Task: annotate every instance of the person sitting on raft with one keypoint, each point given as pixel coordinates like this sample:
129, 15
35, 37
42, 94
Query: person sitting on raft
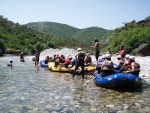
99, 64
120, 62
107, 66
135, 67
62, 58
127, 63
47, 59
56, 60
68, 61
88, 60
121, 51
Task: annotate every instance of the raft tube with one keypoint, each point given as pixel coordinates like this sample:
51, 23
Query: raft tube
118, 80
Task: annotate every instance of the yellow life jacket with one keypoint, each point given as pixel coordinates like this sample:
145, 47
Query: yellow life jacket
107, 65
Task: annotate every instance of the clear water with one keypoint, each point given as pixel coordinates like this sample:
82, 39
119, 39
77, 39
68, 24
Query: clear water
27, 89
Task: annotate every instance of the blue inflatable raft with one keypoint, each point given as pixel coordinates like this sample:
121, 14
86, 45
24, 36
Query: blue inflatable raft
118, 80
42, 64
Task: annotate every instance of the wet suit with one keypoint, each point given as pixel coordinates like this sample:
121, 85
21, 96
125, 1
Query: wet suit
97, 50
80, 62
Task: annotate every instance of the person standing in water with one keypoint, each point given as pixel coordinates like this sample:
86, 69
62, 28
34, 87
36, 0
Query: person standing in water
22, 57
10, 64
97, 48
37, 57
80, 56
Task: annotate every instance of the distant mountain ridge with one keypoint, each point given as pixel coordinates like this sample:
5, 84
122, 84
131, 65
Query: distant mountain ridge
85, 36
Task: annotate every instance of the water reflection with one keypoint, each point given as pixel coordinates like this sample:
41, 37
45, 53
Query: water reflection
26, 88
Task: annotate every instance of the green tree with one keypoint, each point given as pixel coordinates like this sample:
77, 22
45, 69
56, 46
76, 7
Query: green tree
39, 46
2, 47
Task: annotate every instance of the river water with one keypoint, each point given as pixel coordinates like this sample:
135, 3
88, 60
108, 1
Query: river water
25, 88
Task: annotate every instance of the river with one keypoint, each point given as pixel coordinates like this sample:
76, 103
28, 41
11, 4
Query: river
27, 89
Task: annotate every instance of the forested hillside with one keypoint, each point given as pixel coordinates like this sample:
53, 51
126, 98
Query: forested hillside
132, 36
53, 29
15, 38
84, 36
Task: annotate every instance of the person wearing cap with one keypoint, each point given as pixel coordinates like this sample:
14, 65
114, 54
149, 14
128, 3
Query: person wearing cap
121, 51
97, 48
120, 62
107, 67
99, 64
135, 67
80, 57
88, 60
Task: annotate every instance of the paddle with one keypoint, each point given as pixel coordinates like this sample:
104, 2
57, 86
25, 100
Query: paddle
148, 83
92, 78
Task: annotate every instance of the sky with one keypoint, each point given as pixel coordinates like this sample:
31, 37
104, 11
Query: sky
107, 14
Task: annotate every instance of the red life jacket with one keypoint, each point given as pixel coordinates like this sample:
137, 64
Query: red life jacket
128, 64
122, 53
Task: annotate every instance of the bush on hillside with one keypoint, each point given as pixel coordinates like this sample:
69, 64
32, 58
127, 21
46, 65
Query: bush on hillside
2, 47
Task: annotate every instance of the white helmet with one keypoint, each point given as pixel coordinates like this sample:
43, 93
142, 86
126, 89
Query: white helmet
79, 49
132, 57
118, 56
88, 54
103, 56
69, 57
127, 56
107, 56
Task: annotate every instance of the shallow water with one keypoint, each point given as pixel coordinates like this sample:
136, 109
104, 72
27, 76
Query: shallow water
26, 89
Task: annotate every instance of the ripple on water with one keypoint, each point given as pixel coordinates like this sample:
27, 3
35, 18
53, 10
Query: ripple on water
25, 88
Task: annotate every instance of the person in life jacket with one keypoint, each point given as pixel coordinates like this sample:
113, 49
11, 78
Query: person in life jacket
47, 59
68, 61
88, 60
99, 64
62, 58
97, 48
80, 57
135, 67
121, 51
107, 66
72, 65
57, 60
127, 63
120, 62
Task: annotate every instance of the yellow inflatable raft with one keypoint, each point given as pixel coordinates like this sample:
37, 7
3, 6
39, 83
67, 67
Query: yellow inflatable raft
60, 68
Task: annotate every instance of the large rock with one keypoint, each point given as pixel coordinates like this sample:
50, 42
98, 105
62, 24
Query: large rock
143, 50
